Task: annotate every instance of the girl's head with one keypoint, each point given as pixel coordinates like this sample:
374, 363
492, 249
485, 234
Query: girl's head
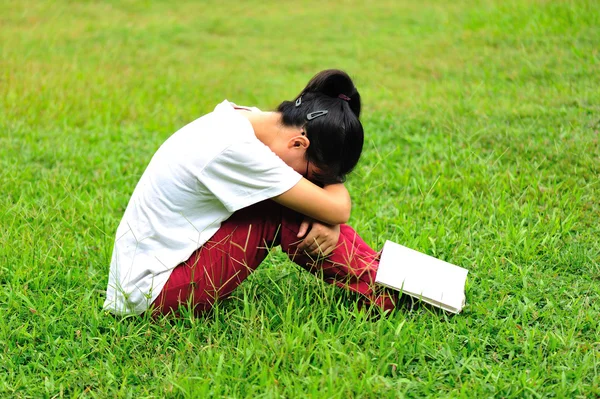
327, 110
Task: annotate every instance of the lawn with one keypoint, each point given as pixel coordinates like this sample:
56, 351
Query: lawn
482, 148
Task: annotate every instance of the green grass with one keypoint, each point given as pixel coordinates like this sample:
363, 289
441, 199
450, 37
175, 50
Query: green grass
482, 122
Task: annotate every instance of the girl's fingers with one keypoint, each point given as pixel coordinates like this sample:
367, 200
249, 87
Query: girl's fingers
322, 251
331, 248
312, 247
316, 244
320, 248
303, 227
308, 242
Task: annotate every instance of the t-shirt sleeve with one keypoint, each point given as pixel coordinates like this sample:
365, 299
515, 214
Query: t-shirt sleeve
246, 173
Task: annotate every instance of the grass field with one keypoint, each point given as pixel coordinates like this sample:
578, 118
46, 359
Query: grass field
482, 122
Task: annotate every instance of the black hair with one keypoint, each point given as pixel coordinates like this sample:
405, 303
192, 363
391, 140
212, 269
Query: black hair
336, 138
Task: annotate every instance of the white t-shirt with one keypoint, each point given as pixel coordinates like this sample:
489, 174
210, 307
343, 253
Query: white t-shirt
198, 178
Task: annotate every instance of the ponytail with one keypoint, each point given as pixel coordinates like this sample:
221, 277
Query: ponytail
337, 84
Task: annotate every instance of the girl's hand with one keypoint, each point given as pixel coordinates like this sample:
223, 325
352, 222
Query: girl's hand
321, 238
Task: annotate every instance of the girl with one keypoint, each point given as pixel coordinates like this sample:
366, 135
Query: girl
226, 187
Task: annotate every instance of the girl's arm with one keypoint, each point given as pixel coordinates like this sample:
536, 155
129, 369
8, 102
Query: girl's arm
330, 204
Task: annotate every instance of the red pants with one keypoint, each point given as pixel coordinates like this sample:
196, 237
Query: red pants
214, 270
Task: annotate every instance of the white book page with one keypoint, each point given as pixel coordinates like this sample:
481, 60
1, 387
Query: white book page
430, 279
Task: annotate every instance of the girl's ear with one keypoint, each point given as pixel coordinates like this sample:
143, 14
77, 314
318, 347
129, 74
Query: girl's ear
299, 142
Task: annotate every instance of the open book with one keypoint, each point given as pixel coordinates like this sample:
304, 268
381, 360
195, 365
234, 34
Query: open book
431, 280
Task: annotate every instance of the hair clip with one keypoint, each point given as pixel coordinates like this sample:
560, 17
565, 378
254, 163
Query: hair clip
344, 97
316, 114
299, 101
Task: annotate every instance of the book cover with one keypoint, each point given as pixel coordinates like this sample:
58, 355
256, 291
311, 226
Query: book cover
429, 279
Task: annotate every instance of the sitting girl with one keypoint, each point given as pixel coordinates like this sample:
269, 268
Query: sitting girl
225, 188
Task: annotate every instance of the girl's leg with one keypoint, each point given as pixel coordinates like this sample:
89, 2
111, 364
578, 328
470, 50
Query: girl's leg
214, 270
241, 244
352, 265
